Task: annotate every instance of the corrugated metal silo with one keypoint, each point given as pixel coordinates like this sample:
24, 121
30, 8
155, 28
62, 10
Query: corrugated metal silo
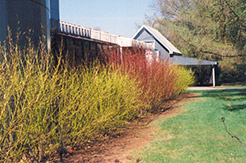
3, 20
27, 15
54, 14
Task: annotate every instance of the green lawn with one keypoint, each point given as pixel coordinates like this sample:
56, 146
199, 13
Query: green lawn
198, 134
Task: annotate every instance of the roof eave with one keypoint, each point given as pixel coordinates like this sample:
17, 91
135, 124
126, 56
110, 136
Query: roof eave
139, 30
176, 54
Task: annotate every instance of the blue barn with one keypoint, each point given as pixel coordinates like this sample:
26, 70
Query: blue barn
167, 50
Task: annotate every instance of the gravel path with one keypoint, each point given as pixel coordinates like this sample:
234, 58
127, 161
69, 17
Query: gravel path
215, 88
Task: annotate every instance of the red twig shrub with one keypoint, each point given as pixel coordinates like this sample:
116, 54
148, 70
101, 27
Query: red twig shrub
158, 79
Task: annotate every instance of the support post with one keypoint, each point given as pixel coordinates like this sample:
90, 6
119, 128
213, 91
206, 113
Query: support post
121, 55
213, 72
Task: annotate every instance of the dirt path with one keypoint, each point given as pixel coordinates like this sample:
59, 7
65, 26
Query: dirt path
128, 141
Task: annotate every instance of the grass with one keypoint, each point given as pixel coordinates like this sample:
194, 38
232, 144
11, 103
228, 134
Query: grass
198, 134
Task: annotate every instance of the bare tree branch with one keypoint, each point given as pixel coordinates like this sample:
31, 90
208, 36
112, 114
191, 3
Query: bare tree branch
221, 55
234, 13
232, 136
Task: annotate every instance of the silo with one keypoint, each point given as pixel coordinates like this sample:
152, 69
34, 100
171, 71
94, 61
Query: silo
3, 20
28, 15
54, 15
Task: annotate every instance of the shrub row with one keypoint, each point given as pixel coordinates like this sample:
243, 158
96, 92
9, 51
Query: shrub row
159, 80
42, 104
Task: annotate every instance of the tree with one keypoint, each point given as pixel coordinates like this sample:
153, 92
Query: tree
208, 29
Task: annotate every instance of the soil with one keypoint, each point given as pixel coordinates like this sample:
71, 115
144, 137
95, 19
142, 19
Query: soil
127, 141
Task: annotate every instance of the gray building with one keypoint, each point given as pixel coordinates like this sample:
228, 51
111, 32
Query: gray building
3, 20
32, 17
148, 34
168, 51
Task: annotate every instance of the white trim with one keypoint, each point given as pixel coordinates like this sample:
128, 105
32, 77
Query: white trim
139, 30
167, 44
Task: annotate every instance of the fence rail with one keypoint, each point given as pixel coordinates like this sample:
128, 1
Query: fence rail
73, 29
86, 32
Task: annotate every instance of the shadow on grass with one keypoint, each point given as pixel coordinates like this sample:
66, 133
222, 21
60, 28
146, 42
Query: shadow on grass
236, 98
236, 107
233, 93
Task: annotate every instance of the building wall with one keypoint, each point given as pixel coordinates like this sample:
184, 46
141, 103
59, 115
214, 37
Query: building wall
77, 51
54, 14
3, 20
30, 16
144, 35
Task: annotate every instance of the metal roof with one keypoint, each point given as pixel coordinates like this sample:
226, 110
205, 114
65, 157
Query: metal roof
170, 47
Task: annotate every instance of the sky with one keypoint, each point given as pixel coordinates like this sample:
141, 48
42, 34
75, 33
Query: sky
120, 17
